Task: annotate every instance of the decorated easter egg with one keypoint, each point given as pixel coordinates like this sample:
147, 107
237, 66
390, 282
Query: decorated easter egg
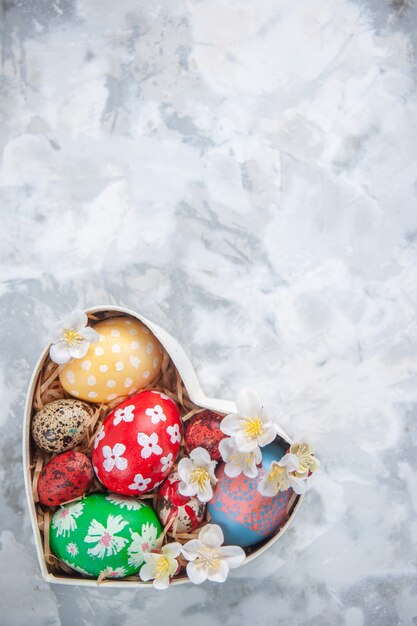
126, 358
188, 511
65, 477
104, 534
138, 443
203, 431
246, 516
61, 424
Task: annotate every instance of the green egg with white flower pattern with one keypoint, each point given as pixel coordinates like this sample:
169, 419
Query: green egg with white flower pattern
104, 534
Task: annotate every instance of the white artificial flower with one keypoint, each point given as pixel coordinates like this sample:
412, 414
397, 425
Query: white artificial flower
113, 457
156, 414
208, 559
174, 433
145, 541
64, 518
149, 445
125, 415
197, 475
72, 338
308, 462
140, 483
100, 435
107, 543
282, 476
159, 567
236, 461
166, 462
250, 426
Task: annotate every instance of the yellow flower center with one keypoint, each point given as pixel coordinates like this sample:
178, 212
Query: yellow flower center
208, 558
72, 337
305, 456
199, 476
275, 474
253, 427
161, 567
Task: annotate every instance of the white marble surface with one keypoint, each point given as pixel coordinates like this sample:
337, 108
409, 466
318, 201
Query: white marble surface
243, 172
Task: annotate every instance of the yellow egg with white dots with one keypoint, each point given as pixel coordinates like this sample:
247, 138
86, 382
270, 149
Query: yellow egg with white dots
126, 359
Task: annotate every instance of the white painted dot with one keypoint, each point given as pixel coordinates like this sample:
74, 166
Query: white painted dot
103, 368
149, 348
135, 345
119, 365
133, 331
128, 322
111, 383
145, 330
128, 382
98, 351
70, 377
92, 394
112, 396
115, 333
101, 337
74, 392
146, 374
155, 362
86, 365
116, 348
135, 361
91, 380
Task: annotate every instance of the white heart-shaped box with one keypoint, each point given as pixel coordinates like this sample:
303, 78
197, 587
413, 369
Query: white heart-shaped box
191, 382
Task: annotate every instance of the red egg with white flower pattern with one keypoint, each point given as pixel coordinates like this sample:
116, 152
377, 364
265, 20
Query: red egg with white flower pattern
138, 444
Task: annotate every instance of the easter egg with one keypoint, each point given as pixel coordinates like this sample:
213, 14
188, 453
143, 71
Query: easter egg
104, 534
246, 516
203, 431
61, 424
188, 511
138, 443
65, 477
126, 358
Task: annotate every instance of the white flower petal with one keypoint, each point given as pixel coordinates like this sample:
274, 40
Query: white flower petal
59, 353
205, 494
211, 535
231, 424
299, 485
79, 351
162, 582
185, 467
267, 488
220, 574
290, 461
89, 334
196, 574
233, 555
225, 448
146, 571
248, 403
268, 435
232, 470
190, 549
244, 443
57, 332
251, 471
76, 320
172, 550
186, 489
200, 456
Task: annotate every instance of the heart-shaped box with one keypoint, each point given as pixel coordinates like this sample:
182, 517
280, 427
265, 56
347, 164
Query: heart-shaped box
196, 394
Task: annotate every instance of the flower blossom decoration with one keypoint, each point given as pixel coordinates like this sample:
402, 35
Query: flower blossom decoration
208, 558
71, 338
160, 566
290, 472
250, 426
197, 475
237, 462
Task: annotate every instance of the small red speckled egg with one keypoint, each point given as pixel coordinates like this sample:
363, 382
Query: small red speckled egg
189, 511
138, 443
203, 430
66, 477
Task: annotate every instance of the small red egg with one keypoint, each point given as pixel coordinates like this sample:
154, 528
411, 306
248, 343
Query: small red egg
66, 477
138, 444
187, 510
203, 430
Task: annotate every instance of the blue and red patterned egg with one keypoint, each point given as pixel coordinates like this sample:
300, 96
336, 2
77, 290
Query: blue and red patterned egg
246, 516
138, 444
171, 505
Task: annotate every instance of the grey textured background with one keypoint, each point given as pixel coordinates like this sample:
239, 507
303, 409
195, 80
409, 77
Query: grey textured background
243, 173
